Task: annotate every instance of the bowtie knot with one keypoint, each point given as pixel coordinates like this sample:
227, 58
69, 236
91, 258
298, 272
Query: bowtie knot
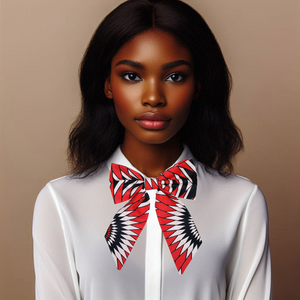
178, 227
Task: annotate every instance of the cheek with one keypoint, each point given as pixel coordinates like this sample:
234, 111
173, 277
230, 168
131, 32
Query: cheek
181, 101
125, 97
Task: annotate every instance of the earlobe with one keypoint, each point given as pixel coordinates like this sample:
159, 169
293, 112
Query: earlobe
107, 88
197, 90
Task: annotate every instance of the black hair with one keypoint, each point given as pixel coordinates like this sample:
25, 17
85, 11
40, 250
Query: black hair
209, 131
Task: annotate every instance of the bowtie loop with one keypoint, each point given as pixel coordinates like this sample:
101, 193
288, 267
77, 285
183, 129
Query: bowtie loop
125, 183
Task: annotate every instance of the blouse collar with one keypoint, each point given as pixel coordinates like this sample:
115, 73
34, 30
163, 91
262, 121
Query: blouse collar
119, 158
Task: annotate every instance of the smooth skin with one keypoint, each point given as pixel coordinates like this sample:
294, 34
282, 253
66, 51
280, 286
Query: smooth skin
152, 85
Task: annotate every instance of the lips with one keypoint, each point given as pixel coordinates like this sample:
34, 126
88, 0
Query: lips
153, 121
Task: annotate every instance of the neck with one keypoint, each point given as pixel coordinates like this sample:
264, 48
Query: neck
152, 159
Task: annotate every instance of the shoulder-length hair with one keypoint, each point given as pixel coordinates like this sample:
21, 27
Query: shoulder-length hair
209, 131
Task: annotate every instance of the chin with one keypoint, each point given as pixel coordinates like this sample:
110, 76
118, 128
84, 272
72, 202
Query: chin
157, 139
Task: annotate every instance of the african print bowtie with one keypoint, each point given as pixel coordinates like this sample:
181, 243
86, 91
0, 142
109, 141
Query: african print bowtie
178, 227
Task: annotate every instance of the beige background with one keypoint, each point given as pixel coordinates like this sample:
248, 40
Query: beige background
42, 43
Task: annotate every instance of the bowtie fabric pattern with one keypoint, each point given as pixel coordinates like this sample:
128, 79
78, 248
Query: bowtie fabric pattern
177, 225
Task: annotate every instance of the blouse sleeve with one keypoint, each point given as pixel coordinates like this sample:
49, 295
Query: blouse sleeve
250, 265
55, 271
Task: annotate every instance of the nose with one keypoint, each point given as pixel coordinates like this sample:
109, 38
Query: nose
153, 94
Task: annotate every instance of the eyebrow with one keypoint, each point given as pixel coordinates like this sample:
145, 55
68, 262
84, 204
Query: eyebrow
164, 67
175, 63
131, 64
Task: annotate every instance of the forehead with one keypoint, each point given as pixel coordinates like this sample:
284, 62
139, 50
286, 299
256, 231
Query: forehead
153, 45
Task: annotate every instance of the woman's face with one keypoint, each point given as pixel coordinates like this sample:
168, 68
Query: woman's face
152, 85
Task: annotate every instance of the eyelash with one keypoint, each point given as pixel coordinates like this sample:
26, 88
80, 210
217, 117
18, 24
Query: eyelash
176, 74
182, 77
131, 73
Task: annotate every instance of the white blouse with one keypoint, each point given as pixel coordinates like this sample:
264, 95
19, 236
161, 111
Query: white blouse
73, 261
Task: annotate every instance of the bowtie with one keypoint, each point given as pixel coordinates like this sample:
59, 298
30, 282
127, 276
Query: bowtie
178, 227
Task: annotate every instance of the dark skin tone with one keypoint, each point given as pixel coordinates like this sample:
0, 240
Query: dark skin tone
152, 85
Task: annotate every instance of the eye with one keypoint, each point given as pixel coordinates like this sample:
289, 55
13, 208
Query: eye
175, 77
131, 77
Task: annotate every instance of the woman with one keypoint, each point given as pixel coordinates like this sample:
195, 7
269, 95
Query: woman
151, 193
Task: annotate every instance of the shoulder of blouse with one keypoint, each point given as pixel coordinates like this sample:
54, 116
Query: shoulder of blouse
71, 185
211, 182
213, 175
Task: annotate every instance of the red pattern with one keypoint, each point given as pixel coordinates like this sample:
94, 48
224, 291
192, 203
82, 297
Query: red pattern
178, 227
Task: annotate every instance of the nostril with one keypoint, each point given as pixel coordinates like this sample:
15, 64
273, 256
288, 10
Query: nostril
157, 100
154, 103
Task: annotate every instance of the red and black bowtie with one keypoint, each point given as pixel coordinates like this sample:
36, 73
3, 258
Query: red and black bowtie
178, 227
